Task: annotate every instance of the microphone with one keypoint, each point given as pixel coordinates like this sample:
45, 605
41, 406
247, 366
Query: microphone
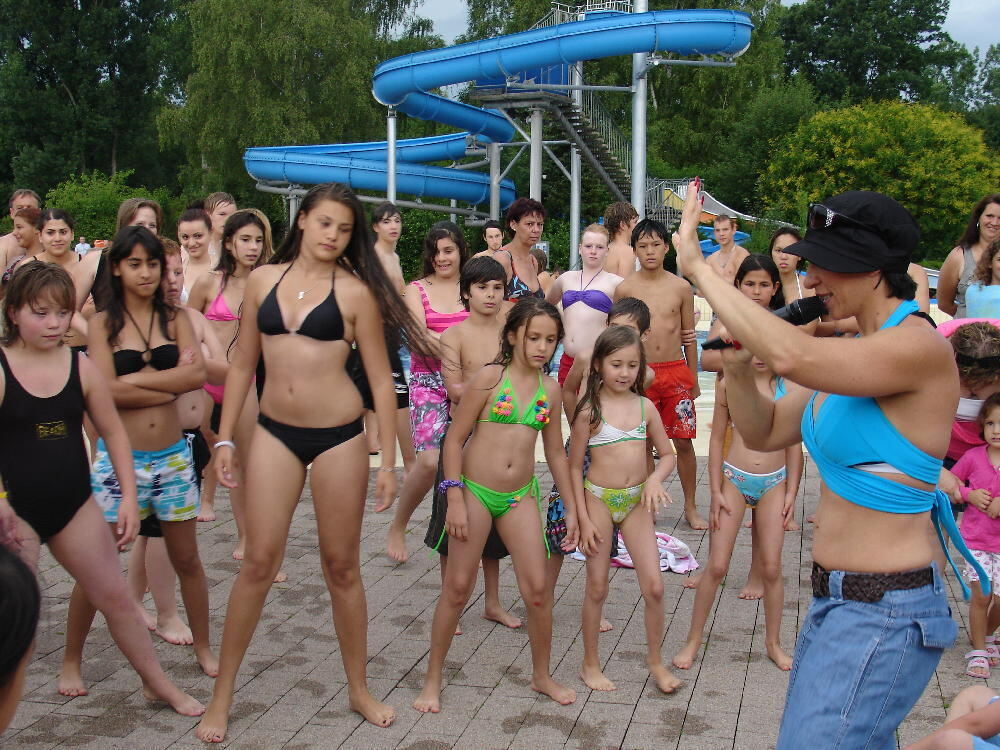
798, 313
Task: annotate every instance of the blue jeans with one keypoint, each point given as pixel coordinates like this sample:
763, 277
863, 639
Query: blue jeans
860, 667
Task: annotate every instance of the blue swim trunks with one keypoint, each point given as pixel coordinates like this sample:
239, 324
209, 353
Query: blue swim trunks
165, 483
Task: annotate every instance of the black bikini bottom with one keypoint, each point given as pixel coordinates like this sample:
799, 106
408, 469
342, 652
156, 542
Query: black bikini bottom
309, 442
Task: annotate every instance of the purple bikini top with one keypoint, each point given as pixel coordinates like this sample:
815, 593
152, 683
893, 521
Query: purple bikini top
594, 298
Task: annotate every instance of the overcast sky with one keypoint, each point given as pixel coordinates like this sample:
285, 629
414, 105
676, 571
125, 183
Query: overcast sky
972, 22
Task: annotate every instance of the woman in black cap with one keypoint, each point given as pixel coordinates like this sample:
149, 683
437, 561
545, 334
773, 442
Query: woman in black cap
874, 412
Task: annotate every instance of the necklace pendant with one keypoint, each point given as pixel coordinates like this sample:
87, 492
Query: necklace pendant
147, 356
302, 295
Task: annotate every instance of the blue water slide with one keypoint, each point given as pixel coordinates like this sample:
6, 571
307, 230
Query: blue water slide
405, 83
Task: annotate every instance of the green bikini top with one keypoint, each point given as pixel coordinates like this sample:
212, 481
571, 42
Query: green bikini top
505, 410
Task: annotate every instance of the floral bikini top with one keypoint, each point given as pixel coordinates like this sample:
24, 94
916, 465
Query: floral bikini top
505, 410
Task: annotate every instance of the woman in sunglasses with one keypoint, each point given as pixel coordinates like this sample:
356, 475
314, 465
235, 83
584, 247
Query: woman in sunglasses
874, 412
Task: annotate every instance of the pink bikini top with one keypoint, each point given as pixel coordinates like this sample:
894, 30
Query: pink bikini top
219, 310
439, 323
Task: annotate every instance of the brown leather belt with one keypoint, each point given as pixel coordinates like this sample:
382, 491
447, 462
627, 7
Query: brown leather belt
870, 587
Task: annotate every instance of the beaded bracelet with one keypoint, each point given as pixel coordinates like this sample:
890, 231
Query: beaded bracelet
387, 468
230, 443
447, 484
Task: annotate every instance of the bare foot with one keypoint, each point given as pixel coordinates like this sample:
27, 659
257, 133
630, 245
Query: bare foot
685, 657
213, 725
71, 681
458, 629
280, 577
173, 630
148, 617
502, 616
811, 518
559, 693
208, 662
605, 626
792, 525
691, 582
429, 700
207, 513
781, 659
375, 712
748, 524
238, 554
594, 678
178, 700
395, 546
695, 521
665, 679
753, 590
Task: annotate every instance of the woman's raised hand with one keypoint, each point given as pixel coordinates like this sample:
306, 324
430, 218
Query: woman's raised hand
685, 239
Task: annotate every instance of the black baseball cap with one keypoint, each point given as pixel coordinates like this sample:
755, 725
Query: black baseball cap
857, 232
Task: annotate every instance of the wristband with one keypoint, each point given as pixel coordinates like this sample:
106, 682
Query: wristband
221, 443
447, 484
3, 495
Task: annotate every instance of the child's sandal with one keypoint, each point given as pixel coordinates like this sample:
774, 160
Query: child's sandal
993, 650
978, 665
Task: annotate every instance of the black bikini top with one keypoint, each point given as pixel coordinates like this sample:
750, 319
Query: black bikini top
323, 323
162, 357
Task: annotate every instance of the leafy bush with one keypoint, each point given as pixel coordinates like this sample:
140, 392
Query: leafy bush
931, 161
93, 199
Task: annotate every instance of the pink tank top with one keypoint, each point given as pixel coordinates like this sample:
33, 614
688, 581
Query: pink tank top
437, 322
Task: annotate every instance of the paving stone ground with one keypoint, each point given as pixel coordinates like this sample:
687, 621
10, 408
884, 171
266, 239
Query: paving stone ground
292, 692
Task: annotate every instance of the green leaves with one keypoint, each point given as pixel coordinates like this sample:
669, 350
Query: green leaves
929, 160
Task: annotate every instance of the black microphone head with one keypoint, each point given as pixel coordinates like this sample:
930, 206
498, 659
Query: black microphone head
805, 310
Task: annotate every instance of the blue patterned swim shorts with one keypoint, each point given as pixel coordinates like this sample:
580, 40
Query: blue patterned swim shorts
165, 483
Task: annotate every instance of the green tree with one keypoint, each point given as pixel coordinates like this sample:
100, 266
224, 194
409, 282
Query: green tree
852, 50
929, 160
93, 199
771, 114
81, 81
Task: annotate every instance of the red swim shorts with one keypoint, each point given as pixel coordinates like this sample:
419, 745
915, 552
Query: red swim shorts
671, 395
565, 363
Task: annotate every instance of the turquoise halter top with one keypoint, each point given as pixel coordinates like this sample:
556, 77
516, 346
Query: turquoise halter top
852, 430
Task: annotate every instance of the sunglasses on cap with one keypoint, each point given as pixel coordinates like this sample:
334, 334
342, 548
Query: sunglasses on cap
968, 361
823, 217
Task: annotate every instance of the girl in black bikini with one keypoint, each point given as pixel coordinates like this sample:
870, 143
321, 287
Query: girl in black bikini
147, 351
41, 433
326, 289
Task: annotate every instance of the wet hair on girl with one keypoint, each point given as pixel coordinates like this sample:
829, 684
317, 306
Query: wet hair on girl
196, 214
53, 214
977, 353
20, 603
757, 262
611, 340
480, 271
385, 210
781, 232
227, 260
521, 314
360, 259
33, 284
430, 247
121, 248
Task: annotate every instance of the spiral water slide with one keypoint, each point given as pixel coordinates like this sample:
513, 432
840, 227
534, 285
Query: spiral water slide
406, 82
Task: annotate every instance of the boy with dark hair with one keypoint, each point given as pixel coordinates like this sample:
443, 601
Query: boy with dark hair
675, 387
492, 237
619, 219
465, 349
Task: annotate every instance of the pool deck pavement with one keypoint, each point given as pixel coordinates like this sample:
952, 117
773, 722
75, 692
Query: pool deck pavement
291, 689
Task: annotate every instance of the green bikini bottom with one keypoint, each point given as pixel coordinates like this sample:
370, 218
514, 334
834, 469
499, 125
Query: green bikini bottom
499, 503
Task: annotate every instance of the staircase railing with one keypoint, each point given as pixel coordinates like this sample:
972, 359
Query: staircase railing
614, 139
